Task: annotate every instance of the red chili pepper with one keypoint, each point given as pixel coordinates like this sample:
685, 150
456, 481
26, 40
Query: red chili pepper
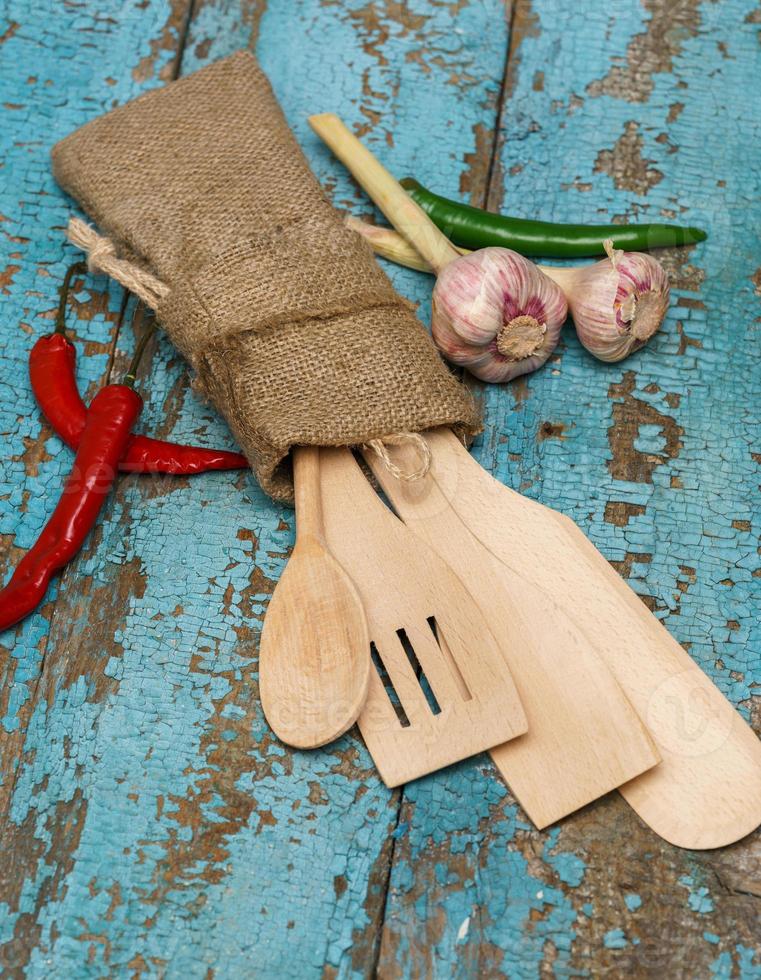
52, 370
103, 442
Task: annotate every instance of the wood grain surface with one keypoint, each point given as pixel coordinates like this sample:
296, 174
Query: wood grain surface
152, 825
440, 688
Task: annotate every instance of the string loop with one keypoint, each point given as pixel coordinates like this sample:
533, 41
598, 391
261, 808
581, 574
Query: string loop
378, 446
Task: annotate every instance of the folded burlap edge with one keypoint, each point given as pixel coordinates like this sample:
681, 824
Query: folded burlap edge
271, 463
215, 382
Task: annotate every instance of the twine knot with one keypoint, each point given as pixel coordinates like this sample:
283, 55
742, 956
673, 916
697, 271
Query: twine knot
99, 252
378, 446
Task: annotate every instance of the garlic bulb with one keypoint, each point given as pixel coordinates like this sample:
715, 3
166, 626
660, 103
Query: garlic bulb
617, 304
496, 313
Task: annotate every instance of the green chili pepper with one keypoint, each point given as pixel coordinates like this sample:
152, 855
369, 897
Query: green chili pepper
473, 228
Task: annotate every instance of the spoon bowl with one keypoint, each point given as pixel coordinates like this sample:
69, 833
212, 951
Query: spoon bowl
314, 657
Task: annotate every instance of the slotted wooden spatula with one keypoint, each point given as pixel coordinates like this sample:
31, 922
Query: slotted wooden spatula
706, 792
584, 737
428, 704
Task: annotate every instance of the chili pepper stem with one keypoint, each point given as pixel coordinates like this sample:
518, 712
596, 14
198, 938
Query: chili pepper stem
77, 268
131, 376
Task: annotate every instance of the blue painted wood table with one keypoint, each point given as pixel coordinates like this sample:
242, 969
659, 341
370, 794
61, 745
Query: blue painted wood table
153, 825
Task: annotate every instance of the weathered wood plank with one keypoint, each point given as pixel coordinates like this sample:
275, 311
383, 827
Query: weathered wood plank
35, 113
33, 261
57, 69
155, 826
616, 110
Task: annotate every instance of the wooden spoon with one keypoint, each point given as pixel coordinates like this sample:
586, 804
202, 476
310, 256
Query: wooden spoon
314, 655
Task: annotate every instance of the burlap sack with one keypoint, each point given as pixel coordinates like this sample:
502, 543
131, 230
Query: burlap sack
294, 331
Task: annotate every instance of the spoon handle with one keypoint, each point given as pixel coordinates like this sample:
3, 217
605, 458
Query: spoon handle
306, 479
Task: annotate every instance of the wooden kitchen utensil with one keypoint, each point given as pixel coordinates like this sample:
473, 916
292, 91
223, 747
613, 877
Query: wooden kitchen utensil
314, 662
706, 792
464, 701
584, 737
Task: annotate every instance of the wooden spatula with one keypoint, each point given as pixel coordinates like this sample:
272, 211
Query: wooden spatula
706, 792
314, 664
584, 737
429, 703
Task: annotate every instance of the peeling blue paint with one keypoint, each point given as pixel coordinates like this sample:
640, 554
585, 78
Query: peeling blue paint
568, 867
615, 939
721, 967
748, 962
553, 135
699, 898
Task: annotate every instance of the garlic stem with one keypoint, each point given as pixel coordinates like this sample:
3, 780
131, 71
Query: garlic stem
386, 192
563, 276
389, 244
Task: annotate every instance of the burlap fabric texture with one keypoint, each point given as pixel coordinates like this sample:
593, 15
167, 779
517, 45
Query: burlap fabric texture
293, 330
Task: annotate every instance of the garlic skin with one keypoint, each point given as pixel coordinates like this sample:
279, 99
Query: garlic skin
497, 314
617, 304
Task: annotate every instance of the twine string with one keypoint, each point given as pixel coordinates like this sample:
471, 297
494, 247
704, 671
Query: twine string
378, 446
102, 257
